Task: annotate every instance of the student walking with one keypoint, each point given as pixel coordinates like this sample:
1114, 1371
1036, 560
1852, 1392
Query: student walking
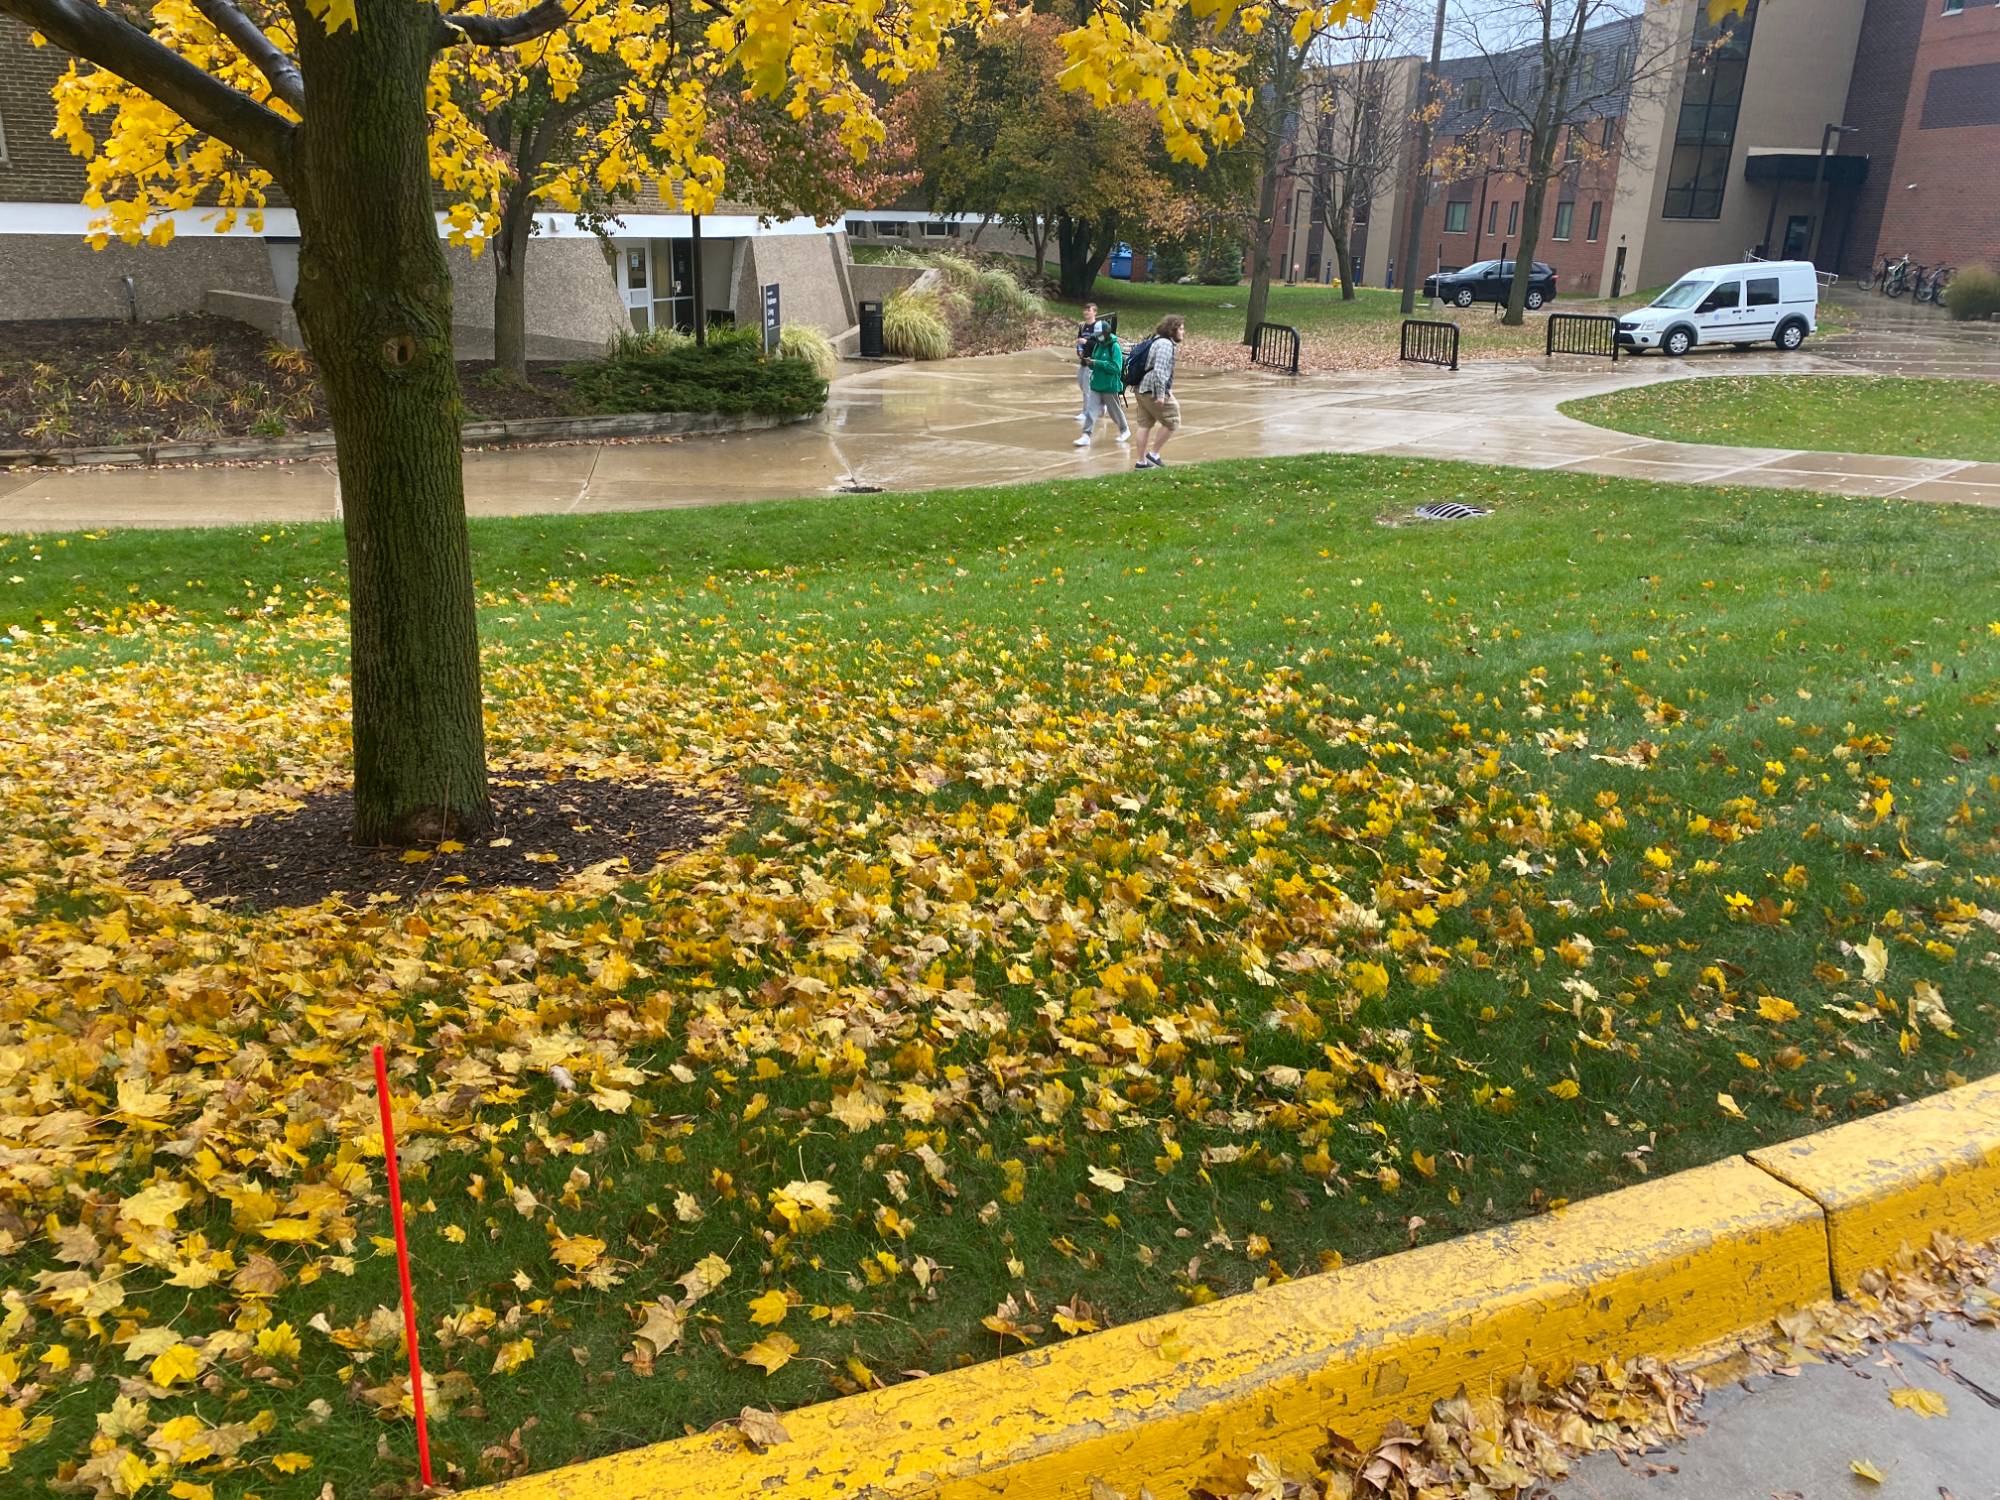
1086, 335
1159, 411
1107, 386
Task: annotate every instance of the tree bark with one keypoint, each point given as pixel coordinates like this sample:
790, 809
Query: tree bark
510, 285
1078, 254
1420, 172
1277, 114
374, 302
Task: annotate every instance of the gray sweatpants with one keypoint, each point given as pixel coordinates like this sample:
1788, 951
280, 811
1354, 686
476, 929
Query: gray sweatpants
1096, 403
1083, 388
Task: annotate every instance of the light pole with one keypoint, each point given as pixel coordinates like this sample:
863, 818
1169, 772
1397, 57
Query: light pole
1822, 191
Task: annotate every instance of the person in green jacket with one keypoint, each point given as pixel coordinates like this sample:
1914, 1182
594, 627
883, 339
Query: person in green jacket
1107, 386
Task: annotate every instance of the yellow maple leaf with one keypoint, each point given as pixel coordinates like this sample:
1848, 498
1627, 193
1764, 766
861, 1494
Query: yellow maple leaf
1728, 1106
1565, 1088
510, 1356
1776, 1009
1925, 1403
181, 1362
577, 1251
1866, 1470
292, 1463
771, 1353
769, 1310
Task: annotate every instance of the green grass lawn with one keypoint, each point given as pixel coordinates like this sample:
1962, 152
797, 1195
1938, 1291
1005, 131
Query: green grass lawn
1153, 886
1824, 413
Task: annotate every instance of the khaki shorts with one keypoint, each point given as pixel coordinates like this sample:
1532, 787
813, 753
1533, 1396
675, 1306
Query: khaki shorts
1159, 411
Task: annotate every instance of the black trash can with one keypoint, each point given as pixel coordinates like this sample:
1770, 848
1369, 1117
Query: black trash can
871, 330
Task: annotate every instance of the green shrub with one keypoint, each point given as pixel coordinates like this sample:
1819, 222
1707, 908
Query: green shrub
1974, 293
1170, 262
1221, 261
997, 296
914, 326
728, 375
803, 341
630, 342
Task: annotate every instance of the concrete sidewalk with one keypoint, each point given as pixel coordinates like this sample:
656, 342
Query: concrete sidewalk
1008, 419
1797, 1437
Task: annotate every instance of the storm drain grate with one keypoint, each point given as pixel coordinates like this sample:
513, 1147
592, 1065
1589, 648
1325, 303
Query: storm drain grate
1449, 510
856, 487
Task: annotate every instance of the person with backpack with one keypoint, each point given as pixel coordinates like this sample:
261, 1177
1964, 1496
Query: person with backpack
1086, 334
1107, 385
1150, 371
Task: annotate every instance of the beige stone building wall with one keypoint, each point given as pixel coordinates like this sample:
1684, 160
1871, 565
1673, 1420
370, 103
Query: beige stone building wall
1801, 60
60, 276
573, 305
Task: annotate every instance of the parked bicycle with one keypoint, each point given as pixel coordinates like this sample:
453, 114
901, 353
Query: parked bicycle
1897, 279
1931, 288
1875, 275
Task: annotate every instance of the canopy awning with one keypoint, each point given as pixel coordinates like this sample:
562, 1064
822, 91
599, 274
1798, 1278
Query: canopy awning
1801, 164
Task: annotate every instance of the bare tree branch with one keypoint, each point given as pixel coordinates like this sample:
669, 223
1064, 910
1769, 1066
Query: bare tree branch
501, 31
93, 33
267, 55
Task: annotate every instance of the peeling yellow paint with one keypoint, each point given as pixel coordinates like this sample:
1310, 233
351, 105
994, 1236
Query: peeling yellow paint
1663, 1268
1896, 1177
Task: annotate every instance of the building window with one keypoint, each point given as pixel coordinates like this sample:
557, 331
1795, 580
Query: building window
1706, 134
1475, 93
1957, 97
892, 229
3, 140
1953, 7
1610, 130
1621, 64
1361, 214
1596, 211
1565, 219
857, 229
1513, 216
937, 229
1454, 216
1586, 74
1493, 217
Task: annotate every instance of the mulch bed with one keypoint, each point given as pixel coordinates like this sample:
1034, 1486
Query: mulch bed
101, 382
548, 829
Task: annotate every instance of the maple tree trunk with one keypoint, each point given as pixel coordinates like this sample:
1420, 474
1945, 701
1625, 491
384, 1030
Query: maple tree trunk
1340, 259
510, 289
1524, 252
374, 302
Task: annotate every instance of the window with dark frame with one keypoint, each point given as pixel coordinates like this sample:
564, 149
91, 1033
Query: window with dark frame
1596, 213
1493, 217
1565, 219
1705, 135
1475, 93
1455, 214
1513, 216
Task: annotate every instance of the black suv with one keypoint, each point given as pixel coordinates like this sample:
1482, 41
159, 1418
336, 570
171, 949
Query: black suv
1488, 281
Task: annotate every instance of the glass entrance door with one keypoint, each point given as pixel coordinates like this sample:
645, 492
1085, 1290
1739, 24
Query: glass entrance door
635, 282
673, 292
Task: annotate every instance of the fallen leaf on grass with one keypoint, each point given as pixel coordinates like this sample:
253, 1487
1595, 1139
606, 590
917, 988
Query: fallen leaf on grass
771, 1353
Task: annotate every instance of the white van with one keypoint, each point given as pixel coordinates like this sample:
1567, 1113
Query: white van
1741, 304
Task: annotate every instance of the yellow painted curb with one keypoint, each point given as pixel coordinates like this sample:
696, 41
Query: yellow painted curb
1897, 1176
1663, 1268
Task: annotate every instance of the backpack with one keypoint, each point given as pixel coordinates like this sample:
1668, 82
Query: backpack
1137, 360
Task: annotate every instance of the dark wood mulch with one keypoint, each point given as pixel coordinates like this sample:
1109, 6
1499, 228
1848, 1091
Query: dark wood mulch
99, 382
548, 829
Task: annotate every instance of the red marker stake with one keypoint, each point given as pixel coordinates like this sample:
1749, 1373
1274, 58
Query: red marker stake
403, 1266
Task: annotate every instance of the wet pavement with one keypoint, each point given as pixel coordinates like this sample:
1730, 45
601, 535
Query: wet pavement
1799, 1437
1010, 419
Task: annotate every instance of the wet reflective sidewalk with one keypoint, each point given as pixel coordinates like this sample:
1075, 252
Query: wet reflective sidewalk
1011, 419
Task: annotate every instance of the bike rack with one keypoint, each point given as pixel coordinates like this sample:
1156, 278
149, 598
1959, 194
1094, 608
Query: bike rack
1582, 333
1275, 345
1427, 342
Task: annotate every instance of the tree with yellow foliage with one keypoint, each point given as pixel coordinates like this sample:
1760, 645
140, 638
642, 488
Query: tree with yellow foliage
362, 113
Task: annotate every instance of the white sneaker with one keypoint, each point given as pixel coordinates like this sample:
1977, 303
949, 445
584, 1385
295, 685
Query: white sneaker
1081, 418
1082, 441
1123, 437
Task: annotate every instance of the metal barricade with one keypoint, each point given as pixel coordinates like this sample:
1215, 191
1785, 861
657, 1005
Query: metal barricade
1428, 342
1583, 333
1275, 345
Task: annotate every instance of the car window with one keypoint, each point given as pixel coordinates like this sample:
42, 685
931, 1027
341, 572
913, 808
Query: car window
1478, 267
1725, 295
1682, 294
1762, 291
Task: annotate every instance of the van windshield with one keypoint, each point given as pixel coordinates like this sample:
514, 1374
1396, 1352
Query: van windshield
1683, 294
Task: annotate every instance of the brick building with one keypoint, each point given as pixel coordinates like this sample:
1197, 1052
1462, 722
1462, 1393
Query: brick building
1926, 101
1833, 131
582, 288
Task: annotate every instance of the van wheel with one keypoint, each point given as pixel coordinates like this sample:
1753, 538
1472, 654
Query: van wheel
1463, 296
1677, 342
1534, 300
1791, 335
